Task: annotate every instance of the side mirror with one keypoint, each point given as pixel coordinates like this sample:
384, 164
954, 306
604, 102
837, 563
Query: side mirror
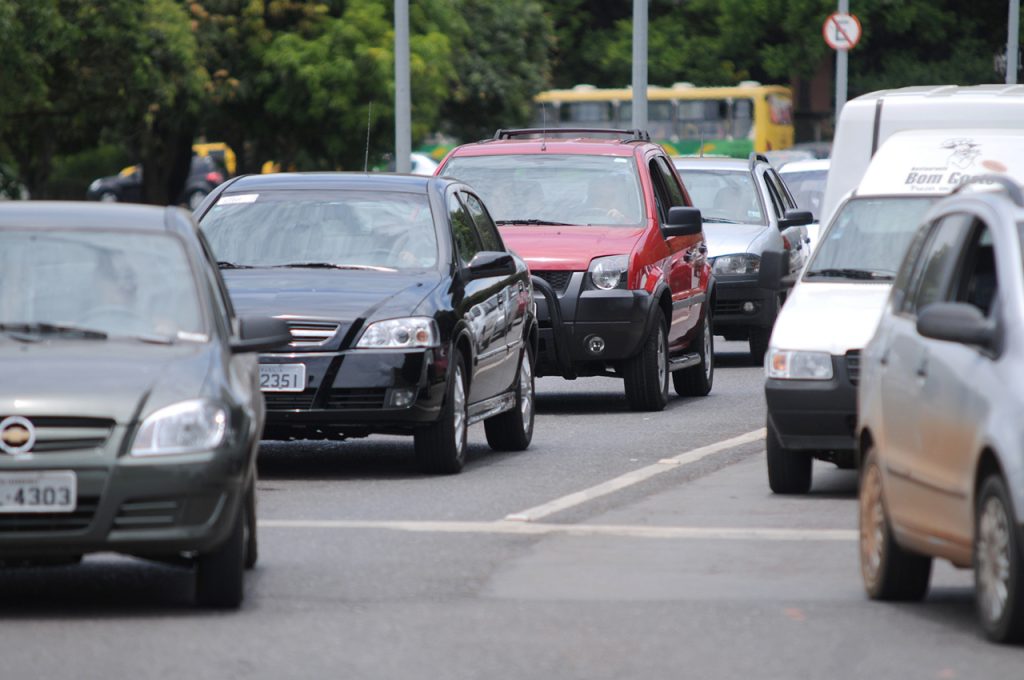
796, 218
683, 222
956, 322
260, 333
773, 273
488, 263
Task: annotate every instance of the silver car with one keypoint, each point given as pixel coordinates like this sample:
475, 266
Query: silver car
940, 433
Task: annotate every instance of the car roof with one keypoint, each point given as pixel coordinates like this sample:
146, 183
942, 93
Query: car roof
372, 181
583, 146
809, 165
712, 163
83, 214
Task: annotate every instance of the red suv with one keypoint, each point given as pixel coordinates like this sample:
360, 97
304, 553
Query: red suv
616, 250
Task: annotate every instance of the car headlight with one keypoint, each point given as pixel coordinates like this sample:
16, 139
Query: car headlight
792, 365
185, 427
609, 273
735, 265
95, 185
411, 332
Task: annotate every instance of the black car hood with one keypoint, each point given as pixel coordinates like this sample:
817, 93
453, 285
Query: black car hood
98, 379
344, 296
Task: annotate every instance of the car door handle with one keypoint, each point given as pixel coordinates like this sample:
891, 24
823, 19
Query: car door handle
884, 359
922, 368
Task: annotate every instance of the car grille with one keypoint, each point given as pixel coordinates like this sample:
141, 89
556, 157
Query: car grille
54, 434
559, 280
311, 333
52, 521
356, 399
150, 514
853, 366
728, 306
289, 401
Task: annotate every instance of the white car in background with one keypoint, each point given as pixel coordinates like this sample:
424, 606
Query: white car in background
806, 181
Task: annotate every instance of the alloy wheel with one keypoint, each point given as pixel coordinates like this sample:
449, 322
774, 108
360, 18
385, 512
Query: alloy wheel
459, 410
662, 362
872, 524
708, 358
526, 390
993, 557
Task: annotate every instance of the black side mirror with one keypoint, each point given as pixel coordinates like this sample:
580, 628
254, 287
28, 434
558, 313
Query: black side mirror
488, 263
261, 333
796, 218
956, 322
683, 222
773, 273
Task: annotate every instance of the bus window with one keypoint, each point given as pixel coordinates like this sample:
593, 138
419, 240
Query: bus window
588, 112
703, 117
742, 118
660, 117
545, 115
781, 109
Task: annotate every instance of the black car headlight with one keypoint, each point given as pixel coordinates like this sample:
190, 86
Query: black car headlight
736, 265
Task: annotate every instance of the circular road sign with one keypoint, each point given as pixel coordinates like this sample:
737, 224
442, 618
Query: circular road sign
841, 31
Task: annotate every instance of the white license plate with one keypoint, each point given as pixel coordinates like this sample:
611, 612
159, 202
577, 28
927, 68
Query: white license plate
49, 491
282, 377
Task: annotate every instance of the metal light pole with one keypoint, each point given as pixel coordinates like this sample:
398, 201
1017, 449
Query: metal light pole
842, 66
403, 105
1012, 42
639, 64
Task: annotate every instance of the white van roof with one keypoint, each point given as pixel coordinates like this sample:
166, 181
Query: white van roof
932, 162
867, 121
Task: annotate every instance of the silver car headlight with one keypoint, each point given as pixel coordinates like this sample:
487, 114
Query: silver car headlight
795, 365
609, 273
186, 427
408, 333
736, 265
95, 185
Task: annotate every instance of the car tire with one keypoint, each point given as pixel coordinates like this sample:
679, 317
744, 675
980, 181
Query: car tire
998, 564
758, 339
646, 373
789, 472
220, 574
513, 430
889, 571
108, 197
441, 446
252, 551
697, 381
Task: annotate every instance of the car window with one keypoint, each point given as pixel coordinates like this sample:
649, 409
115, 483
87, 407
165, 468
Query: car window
484, 224
808, 188
672, 190
976, 280
221, 298
661, 198
780, 188
467, 242
938, 262
724, 195
900, 299
774, 196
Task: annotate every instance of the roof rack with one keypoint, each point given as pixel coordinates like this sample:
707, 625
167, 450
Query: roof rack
1012, 188
629, 135
755, 157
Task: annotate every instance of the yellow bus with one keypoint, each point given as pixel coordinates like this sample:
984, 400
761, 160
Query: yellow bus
729, 121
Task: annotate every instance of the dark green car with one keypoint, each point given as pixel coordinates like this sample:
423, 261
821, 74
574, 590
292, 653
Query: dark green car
130, 410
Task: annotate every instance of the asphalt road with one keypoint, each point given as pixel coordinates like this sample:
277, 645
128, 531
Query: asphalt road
654, 550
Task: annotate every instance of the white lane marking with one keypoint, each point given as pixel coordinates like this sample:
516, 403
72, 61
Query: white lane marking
635, 477
538, 528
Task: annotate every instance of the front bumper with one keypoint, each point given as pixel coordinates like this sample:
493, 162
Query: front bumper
148, 507
816, 415
354, 393
732, 294
575, 322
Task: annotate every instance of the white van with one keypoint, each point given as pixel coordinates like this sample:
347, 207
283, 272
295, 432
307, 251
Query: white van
813, 359
868, 121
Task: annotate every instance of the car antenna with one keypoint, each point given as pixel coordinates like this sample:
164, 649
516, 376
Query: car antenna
366, 158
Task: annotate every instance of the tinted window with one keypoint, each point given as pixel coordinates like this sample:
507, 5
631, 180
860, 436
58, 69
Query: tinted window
373, 229
554, 188
938, 261
484, 224
724, 195
671, 184
121, 283
464, 231
977, 283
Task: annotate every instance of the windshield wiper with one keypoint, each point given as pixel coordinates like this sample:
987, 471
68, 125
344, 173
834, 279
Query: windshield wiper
331, 265
718, 220
848, 273
41, 328
537, 222
232, 265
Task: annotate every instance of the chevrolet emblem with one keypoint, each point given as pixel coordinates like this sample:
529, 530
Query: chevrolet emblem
17, 435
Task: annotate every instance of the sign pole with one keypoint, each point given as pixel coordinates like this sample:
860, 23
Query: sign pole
842, 65
639, 64
403, 104
1012, 42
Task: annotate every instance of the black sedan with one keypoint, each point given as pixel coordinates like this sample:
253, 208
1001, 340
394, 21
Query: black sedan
407, 313
126, 187
129, 407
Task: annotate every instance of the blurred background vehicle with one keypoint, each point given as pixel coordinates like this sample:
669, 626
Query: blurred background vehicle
806, 181
126, 187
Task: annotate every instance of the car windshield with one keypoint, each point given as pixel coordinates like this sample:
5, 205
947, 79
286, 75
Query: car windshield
571, 189
380, 230
98, 283
724, 195
868, 238
808, 188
